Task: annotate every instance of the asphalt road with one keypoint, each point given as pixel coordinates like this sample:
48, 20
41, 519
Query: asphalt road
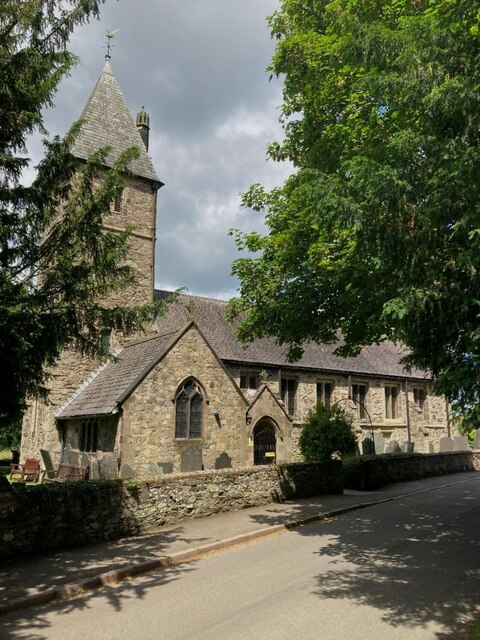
407, 569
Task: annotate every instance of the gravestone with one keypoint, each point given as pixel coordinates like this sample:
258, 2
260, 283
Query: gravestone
191, 459
71, 457
476, 441
431, 448
408, 447
108, 467
460, 443
127, 472
223, 461
94, 473
393, 447
378, 440
367, 448
446, 444
160, 468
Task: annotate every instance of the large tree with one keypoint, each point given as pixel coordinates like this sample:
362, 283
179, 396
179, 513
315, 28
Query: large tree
56, 261
377, 233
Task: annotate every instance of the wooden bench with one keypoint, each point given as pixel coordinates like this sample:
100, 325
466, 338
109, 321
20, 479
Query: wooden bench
71, 472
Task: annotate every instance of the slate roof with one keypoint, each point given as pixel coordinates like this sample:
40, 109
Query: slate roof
112, 382
209, 314
108, 122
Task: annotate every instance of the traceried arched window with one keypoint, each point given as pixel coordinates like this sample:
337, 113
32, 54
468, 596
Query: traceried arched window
189, 411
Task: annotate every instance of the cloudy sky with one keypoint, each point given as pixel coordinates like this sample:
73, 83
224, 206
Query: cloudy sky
199, 67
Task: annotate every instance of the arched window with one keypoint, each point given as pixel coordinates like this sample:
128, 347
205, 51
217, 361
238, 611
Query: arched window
189, 410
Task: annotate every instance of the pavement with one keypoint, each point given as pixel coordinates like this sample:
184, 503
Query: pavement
34, 580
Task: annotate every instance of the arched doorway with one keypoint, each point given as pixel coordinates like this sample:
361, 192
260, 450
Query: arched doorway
264, 443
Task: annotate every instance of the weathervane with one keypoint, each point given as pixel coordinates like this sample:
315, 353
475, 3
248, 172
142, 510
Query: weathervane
109, 47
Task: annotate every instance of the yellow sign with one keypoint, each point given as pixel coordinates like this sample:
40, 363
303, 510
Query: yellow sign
270, 454
250, 442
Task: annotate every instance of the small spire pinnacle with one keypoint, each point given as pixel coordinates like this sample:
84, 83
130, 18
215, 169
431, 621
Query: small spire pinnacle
110, 35
143, 125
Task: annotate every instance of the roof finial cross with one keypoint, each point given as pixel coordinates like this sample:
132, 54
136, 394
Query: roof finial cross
110, 46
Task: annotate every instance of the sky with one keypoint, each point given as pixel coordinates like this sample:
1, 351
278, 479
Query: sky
199, 68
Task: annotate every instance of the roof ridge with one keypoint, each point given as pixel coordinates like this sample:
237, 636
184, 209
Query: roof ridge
191, 295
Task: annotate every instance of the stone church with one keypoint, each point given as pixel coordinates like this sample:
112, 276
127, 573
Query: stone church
186, 395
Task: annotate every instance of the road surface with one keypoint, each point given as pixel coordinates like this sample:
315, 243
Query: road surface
407, 569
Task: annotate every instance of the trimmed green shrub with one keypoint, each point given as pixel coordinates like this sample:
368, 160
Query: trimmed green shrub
328, 430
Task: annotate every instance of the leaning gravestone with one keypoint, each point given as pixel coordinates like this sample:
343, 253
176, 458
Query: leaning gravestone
446, 444
378, 440
367, 447
393, 447
223, 461
108, 467
191, 459
460, 443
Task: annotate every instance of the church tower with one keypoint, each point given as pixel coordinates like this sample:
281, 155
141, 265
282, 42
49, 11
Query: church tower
107, 122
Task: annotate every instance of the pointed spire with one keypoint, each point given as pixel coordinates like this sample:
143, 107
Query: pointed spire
108, 122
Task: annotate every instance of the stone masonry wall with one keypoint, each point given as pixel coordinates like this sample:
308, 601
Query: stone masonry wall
72, 369
66, 515
148, 435
427, 427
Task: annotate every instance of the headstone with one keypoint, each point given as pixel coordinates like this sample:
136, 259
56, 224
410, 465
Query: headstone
367, 448
446, 444
191, 459
127, 471
408, 447
431, 448
378, 441
94, 473
223, 461
47, 464
160, 468
393, 447
84, 459
71, 457
476, 441
460, 443
108, 467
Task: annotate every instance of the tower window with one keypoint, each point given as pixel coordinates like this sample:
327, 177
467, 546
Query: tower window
117, 203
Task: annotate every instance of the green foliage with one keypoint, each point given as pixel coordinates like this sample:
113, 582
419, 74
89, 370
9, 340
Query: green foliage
327, 430
376, 235
10, 433
56, 261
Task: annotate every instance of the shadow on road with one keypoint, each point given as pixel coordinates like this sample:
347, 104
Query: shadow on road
33, 625
417, 560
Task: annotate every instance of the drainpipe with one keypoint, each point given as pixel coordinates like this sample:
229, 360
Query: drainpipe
407, 405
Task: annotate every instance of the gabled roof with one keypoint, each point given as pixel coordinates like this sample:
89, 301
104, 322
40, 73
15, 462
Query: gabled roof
113, 382
381, 360
108, 122
264, 388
